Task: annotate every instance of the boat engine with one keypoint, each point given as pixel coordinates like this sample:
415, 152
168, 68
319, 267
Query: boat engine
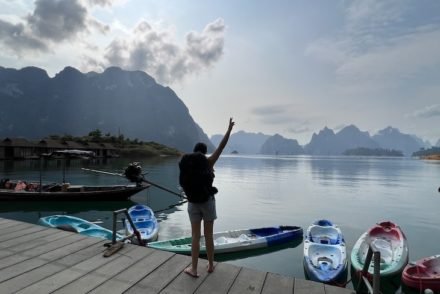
134, 173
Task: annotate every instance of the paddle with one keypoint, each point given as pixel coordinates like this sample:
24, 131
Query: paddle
140, 177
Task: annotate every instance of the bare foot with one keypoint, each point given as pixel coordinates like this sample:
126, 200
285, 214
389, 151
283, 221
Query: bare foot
190, 272
210, 268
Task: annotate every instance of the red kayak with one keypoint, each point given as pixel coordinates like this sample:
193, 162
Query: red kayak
423, 274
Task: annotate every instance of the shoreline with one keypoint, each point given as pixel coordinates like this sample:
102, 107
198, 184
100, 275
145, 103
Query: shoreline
431, 157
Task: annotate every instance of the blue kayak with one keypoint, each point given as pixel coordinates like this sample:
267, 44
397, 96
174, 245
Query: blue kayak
78, 225
325, 257
145, 222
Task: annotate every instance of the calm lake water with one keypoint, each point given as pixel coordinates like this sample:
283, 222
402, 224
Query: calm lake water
257, 191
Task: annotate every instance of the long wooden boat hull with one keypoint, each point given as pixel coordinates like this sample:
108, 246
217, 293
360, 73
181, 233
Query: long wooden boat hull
97, 193
235, 241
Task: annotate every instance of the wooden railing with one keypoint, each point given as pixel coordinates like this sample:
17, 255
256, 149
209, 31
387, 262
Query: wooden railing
373, 254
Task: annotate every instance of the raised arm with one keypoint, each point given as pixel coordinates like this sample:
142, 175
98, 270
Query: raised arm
216, 154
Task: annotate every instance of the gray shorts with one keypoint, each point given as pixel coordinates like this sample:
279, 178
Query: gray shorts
205, 211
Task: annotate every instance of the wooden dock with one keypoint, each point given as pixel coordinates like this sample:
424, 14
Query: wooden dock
36, 259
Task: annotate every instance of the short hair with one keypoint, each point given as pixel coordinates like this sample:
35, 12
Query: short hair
200, 147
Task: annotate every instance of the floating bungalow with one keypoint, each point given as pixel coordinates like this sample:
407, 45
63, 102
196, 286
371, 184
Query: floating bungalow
19, 148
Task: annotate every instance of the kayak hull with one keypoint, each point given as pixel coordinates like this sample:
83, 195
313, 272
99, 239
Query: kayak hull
78, 225
325, 258
389, 239
423, 274
145, 222
235, 240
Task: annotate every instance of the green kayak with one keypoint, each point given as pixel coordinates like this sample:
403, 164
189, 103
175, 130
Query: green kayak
234, 241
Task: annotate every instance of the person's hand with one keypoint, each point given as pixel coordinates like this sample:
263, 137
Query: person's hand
231, 124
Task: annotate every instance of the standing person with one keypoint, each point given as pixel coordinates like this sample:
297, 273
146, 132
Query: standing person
196, 178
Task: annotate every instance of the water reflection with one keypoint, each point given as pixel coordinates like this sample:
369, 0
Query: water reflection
342, 170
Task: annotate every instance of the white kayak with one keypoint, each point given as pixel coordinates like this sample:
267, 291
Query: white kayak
236, 240
325, 257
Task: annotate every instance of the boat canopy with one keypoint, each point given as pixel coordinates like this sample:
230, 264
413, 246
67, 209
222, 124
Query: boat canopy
73, 152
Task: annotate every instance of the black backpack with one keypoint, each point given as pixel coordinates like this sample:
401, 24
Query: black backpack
196, 177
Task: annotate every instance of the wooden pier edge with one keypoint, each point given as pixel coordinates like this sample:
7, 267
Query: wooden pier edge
35, 259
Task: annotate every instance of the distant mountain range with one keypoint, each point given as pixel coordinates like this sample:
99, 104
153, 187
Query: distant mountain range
242, 142
327, 142
131, 103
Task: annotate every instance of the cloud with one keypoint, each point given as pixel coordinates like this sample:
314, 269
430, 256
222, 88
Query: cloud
16, 38
58, 20
102, 3
374, 15
402, 58
299, 129
273, 114
156, 51
51, 23
380, 44
428, 111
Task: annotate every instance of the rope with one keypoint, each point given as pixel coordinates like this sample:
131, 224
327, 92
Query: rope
420, 279
171, 206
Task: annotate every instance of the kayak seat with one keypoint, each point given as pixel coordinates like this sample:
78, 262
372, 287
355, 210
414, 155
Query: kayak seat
244, 237
84, 226
325, 263
220, 240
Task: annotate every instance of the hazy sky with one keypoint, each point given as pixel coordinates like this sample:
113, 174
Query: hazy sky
287, 67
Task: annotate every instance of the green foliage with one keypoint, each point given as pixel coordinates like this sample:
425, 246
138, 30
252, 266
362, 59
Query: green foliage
362, 151
126, 146
427, 152
96, 135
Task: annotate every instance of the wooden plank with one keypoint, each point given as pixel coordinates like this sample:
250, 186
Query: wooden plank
130, 276
71, 274
161, 276
31, 263
33, 252
185, 284
26, 246
47, 260
6, 232
307, 287
337, 290
30, 277
3, 220
5, 252
5, 223
277, 284
19, 233
26, 238
248, 281
104, 273
8, 221
83, 254
221, 280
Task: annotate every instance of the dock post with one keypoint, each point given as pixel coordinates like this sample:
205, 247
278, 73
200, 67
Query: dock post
374, 254
376, 275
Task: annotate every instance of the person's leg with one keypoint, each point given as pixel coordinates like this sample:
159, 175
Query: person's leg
195, 248
208, 229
